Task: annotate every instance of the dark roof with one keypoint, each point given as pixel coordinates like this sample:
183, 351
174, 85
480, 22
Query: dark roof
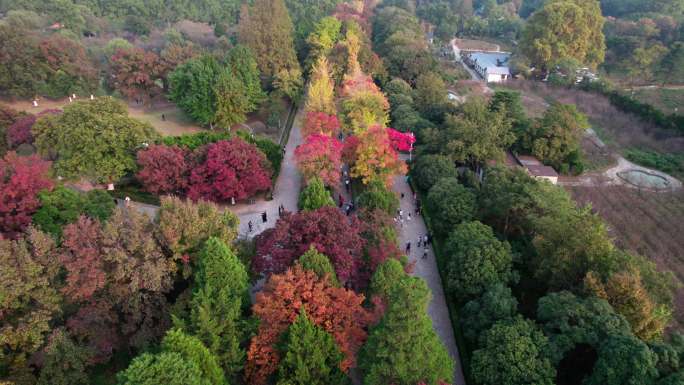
542, 171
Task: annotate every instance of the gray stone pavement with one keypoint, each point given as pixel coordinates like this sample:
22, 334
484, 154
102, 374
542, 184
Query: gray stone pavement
427, 269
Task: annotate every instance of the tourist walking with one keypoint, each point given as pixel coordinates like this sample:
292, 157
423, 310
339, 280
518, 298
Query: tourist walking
249, 225
408, 248
420, 241
264, 217
425, 252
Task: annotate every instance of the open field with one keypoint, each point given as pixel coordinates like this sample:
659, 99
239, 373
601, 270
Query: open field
617, 129
646, 223
664, 99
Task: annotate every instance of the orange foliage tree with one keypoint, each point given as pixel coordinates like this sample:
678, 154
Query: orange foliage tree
375, 157
337, 310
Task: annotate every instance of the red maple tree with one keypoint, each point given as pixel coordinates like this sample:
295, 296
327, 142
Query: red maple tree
163, 169
327, 229
82, 259
21, 178
20, 131
320, 156
135, 71
338, 311
230, 169
320, 123
401, 141
350, 148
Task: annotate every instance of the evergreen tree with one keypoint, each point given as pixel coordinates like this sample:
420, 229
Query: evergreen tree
64, 361
242, 62
320, 264
404, 348
221, 287
192, 349
310, 356
266, 28
315, 196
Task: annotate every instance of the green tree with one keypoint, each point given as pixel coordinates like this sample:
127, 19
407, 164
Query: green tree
94, 139
428, 169
385, 276
376, 195
510, 103
232, 101
192, 350
671, 68
242, 62
430, 95
495, 304
476, 260
62, 206
65, 361
168, 368
309, 356
449, 203
221, 284
512, 352
266, 28
315, 196
565, 29
624, 360
326, 33
404, 348
474, 136
308, 16
320, 264
192, 87
569, 320
556, 135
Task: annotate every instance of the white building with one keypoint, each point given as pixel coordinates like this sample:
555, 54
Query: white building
491, 66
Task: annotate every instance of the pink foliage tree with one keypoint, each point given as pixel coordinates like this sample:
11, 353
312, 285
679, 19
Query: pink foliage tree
320, 156
163, 169
20, 131
21, 178
401, 141
231, 169
320, 123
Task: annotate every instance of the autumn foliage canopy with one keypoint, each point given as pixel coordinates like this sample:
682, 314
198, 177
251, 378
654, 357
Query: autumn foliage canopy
336, 310
320, 156
320, 123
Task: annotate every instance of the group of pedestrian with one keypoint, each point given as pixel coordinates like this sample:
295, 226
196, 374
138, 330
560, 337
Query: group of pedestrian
423, 241
281, 210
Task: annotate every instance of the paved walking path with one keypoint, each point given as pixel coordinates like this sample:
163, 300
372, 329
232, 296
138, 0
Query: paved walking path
286, 192
427, 269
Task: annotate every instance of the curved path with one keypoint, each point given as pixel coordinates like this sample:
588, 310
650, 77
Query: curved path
427, 269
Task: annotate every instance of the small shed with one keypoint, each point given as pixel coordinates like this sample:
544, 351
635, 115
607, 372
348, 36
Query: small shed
543, 172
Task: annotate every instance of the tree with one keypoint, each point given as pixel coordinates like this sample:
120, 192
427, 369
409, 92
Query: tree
565, 29
320, 156
569, 320
478, 315
63, 206
320, 264
244, 66
192, 87
163, 169
476, 260
363, 109
672, 65
19, 132
326, 33
385, 277
231, 169
643, 61
327, 229
320, 123
8, 117
169, 368
94, 139
336, 310
512, 352
430, 95
321, 94
624, 360
65, 361
404, 348
510, 103
309, 356
474, 136
232, 101
554, 137
135, 71
375, 157
315, 196
429, 169
629, 296
80, 256
449, 204
215, 309
192, 350
184, 226
30, 300
376, 195
21, 178
265, 27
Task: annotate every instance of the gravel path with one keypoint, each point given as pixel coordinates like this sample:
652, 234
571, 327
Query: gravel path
427, 269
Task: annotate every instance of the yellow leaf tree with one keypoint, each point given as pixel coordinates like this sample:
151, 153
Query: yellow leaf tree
375, 157
321, 96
